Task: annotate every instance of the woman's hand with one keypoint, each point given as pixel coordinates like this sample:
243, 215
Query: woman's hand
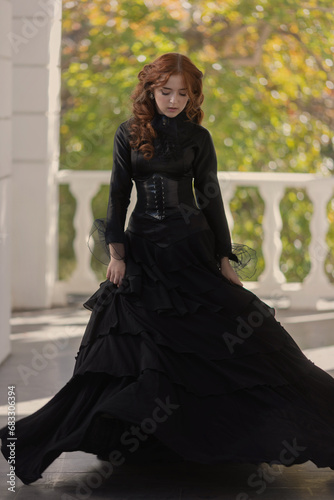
227, 270
116, 271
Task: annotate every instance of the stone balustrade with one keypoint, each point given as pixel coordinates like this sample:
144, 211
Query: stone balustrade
315, 292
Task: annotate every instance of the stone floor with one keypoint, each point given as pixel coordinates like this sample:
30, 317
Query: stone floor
44, 344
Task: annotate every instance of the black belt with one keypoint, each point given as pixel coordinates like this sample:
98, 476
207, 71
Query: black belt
159, 196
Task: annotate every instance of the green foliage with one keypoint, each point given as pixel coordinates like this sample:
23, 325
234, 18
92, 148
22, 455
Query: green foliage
296, 209
269, 91
329, 262
67, 205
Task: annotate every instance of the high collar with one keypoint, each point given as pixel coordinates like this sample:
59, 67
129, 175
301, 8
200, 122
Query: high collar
170, 125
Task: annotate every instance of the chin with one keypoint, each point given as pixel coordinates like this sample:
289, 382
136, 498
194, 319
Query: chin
172, 113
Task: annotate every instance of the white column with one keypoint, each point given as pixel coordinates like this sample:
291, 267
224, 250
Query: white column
227, 187
5, 176
83, 278
35, 39
272, 277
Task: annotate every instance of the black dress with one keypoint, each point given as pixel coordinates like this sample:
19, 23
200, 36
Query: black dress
179, 363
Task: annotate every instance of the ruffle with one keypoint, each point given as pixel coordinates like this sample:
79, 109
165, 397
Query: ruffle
169, 300
167, 146
254, 425
255, 400
200, 373
243, 258
247, 423
256, 388
177, 279
204, 402
177, 326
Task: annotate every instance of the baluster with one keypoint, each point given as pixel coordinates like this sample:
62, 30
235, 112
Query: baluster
227, 188
83, 277
272, 278
316, 283
271, 284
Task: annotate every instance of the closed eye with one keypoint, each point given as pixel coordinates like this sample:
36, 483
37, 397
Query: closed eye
168, 93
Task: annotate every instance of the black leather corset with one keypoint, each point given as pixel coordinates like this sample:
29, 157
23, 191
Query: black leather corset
160, 196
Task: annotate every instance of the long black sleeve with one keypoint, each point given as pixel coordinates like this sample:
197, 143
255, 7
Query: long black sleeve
208, 193
119, 192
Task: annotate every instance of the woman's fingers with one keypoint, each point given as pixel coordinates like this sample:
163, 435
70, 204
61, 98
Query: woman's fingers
115, 278
115, 274
237, 282
235, 278
232, 276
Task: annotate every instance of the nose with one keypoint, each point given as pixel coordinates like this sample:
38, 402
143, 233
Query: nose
172, 98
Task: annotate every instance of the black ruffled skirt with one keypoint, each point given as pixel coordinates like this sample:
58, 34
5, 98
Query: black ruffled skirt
176, 364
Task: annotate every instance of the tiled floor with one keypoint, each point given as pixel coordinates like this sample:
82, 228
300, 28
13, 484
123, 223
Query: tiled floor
44, 344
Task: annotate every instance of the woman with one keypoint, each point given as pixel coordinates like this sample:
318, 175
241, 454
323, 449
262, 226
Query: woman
178, 361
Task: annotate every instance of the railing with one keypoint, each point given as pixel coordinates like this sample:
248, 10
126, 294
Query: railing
314, 292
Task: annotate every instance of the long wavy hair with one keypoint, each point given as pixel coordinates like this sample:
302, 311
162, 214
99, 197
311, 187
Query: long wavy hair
155, 75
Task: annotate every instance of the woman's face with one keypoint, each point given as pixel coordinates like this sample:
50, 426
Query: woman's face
172, 97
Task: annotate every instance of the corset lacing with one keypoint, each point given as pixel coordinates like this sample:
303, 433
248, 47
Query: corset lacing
159, 196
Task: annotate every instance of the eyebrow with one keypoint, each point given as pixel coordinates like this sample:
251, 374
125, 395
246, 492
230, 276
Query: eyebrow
167, 88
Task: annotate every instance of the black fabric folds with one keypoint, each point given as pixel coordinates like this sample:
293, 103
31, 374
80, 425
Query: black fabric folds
242, 258
196, 365
178, 362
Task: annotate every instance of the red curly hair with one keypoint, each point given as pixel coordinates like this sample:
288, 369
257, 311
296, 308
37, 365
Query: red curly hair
155, 75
